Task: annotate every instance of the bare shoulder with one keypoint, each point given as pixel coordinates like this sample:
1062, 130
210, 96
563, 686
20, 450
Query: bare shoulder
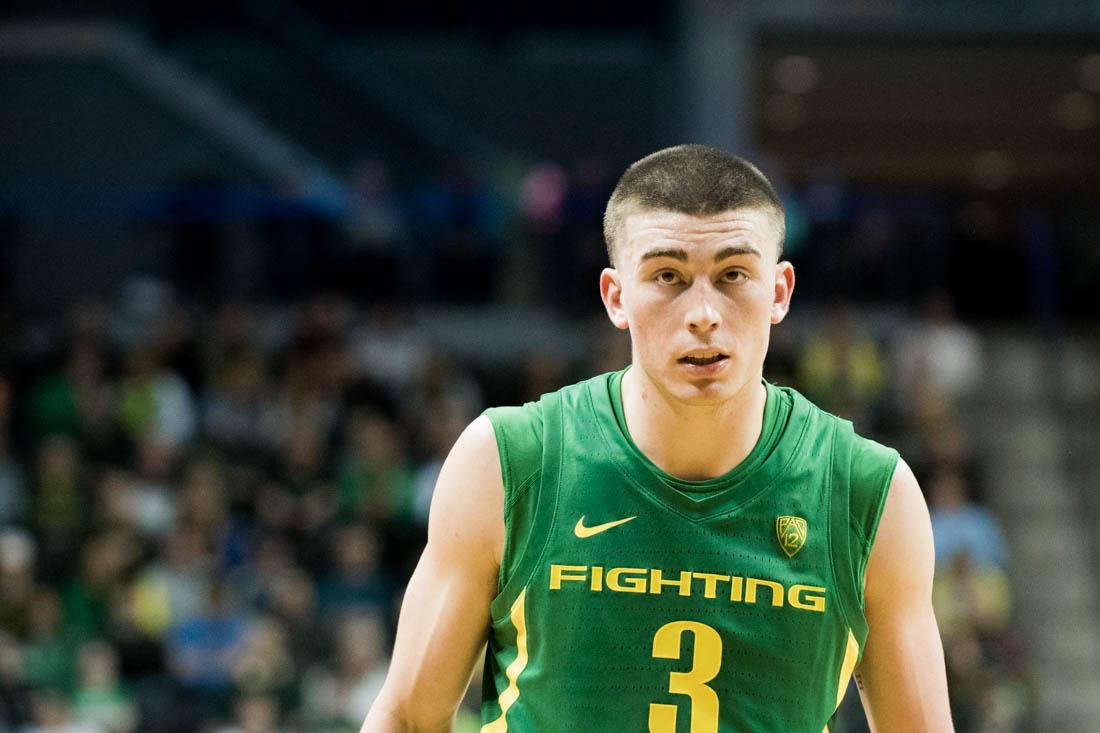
467, 512
902, 556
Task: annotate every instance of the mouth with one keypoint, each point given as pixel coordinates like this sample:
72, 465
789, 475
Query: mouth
703, 358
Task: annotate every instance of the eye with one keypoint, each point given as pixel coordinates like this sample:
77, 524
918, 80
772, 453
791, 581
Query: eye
732, 276
667, 277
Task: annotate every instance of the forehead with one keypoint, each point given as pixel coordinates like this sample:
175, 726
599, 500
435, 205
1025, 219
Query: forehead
643, 230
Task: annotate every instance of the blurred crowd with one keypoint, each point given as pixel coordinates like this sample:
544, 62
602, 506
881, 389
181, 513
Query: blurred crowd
475, 232
908, 390
199, 529
207, 517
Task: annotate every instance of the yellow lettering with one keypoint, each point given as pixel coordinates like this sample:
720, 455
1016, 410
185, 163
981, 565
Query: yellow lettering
629, 584
560, 573
597, 578
754, 583
653, 580
799, 597
656, 583
710, 583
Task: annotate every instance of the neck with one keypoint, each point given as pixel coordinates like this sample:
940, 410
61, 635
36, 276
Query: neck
688, 441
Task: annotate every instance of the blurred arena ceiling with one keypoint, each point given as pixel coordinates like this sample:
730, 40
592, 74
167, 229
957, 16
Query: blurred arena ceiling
988, 113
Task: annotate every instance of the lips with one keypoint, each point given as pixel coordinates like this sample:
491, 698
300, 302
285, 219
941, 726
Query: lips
703, 357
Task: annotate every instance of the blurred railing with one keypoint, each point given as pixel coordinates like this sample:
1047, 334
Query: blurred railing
134, 73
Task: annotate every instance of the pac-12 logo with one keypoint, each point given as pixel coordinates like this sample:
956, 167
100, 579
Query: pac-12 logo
791, 532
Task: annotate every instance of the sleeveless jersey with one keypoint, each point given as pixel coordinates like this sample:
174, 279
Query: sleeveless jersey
630, 600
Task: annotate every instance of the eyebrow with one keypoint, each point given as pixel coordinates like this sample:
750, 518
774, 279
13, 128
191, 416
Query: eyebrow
676, 254
681, 255
742, 249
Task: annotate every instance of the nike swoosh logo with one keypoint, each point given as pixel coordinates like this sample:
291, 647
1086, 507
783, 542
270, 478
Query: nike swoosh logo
581, 531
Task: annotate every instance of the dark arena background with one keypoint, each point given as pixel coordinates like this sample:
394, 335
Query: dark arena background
261, 261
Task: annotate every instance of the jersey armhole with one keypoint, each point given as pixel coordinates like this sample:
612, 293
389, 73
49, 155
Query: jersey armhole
529, 505
867, 534
861, 473
840, 552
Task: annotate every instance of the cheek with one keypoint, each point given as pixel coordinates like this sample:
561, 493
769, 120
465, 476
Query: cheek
751, 318
649, 324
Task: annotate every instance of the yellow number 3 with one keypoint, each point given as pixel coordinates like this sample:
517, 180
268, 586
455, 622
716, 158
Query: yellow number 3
704, 667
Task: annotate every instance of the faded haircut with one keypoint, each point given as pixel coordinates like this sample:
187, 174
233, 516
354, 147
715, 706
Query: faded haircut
689, 179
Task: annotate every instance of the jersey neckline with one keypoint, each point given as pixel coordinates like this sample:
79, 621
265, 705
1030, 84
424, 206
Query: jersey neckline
784, 423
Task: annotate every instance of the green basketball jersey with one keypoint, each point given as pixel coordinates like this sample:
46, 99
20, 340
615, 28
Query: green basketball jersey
630, 600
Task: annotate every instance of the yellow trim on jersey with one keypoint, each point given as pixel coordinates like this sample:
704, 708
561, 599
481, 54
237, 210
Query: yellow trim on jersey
851, 654
511, 693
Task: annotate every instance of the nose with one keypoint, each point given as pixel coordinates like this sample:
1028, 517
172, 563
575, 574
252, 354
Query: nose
701, 315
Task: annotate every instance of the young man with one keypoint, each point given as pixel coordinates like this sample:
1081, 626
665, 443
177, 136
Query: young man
679, 546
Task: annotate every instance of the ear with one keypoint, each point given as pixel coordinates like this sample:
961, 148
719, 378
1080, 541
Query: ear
611, 292
784, 289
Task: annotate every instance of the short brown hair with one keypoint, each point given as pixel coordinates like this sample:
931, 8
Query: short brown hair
689, 179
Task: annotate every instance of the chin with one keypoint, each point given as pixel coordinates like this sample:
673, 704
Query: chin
703, 392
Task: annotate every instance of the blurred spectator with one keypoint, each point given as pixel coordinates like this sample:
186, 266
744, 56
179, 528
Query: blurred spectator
300, 422
969, 597
265, 666
60, 512
357, 582
939, 352
254, 714
945, 445
78, 401
153, 489
304, 455
113, 506
316, 522
972, 608
336, 696
440, 384
49, 653
106, 559
231, 333
388, 348
375, 477
204, 506
100, 697
52, 714
293, 601
173, 589
202, 652
17, 573
15, 693
173, 339
155, 400
841, 368
234, 408
961, 526
270, 556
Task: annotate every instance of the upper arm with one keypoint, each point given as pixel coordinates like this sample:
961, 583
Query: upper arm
445, 613
901, 676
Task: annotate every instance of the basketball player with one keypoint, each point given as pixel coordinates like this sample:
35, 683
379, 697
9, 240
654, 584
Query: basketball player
678, 546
